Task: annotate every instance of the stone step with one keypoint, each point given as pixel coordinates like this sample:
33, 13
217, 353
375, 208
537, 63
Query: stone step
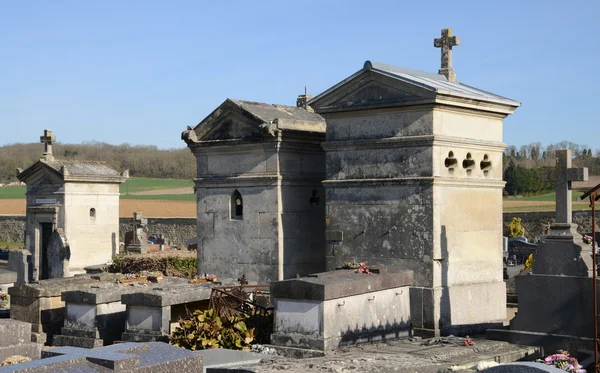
69, 340
141, 337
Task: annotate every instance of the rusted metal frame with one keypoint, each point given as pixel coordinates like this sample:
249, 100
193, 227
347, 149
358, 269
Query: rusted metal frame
593, 196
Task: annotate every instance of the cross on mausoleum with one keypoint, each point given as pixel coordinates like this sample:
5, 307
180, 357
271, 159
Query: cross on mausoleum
47, 140
446, 42
564, 174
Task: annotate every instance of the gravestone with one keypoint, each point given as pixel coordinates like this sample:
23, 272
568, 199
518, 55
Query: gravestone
125, 358
19, 261
15, 339
327, 310
135, 240
555, 300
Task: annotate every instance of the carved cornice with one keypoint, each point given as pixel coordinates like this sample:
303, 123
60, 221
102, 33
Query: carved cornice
434, 181
413, 141
256, 180
243, 146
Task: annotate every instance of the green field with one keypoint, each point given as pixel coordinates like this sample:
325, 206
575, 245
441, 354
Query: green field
550, 197
132, 185
12, 192
140, 184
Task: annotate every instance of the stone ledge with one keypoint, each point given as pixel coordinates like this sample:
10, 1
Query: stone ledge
338, 284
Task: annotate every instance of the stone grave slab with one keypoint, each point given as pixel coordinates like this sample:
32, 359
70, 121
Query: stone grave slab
332, 309
524, 367
126, 357
15, 339
95, 316
223, 358
152, 314
41, 305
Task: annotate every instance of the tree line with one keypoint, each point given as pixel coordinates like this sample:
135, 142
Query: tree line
141, 160
523, 167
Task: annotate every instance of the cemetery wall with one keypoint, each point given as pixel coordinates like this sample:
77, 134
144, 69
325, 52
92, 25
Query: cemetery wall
177, 230
534, 222
180, 229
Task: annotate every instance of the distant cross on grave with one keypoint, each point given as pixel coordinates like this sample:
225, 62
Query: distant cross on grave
139, 223
564, 174
47, 140
446, 42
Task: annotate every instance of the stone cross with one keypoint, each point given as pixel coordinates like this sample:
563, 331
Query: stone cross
564, 174
138, 226
446, 42
47, 140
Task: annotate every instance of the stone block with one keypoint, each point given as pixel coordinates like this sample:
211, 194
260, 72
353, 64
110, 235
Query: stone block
338, 284
14, 332
333, 309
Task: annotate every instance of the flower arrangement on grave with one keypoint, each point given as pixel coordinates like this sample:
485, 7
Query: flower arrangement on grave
207, 277
562, 360
351, 265
587, 239
4, 298
363, 269
141, 276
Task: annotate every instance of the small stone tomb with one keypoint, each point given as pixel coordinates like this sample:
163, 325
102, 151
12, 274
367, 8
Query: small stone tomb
154, 313
15, 339
126, 357
41, 304
332, 309
95, 316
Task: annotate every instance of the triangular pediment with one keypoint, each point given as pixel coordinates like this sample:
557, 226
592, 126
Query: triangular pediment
228, 122
369, 89
40, 173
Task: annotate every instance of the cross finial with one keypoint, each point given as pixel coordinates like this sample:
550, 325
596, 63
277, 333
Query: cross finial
563, 175
48, 139
446, 42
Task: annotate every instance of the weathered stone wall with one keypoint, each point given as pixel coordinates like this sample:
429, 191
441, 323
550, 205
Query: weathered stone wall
12, 228
177, 230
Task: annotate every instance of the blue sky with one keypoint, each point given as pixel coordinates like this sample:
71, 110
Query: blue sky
139, 72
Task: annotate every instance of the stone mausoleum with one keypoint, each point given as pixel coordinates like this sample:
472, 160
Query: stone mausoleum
413, 180
261, 207
72, 217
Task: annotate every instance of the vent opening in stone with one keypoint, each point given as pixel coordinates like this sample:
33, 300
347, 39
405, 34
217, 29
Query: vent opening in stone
237, 206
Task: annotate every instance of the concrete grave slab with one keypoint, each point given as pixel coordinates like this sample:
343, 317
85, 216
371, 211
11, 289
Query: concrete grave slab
41, 305
95, 316
126, 358
152, 314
